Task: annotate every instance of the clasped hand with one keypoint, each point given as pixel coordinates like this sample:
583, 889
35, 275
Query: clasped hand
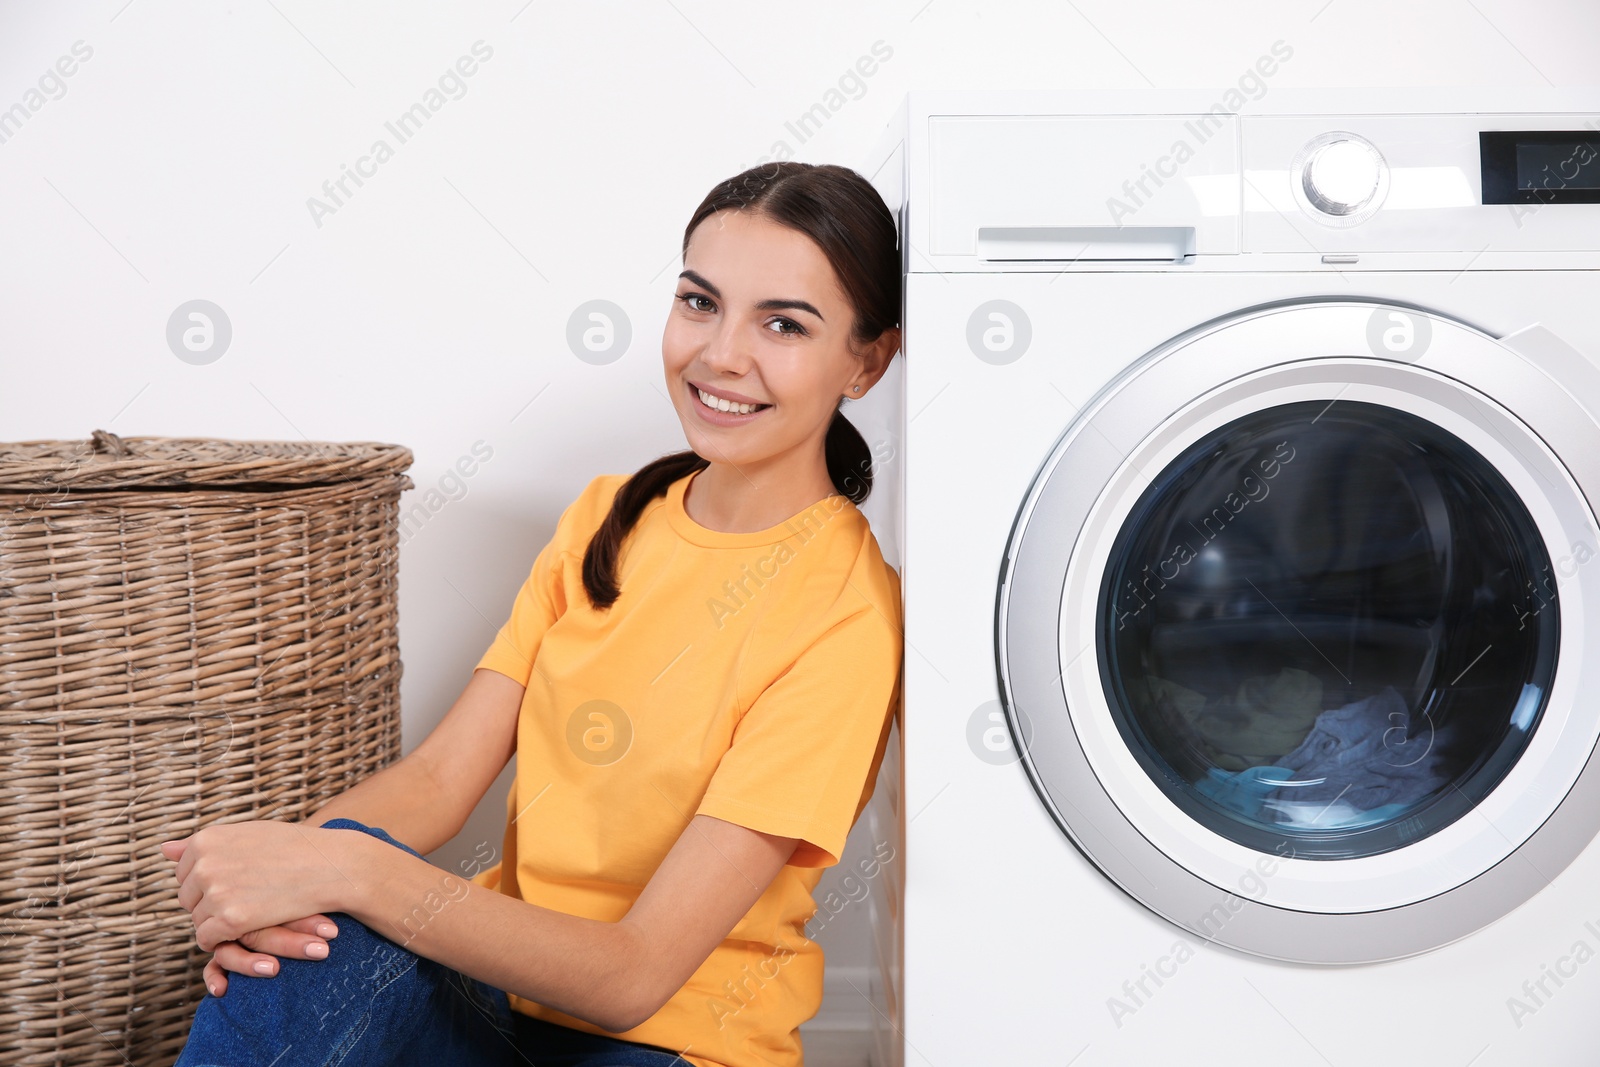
237, 878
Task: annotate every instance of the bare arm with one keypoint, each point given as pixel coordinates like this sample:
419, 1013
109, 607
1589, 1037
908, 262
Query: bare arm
614, 975
424, 798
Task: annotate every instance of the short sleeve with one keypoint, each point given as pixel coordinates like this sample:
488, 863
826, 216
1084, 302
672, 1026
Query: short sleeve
539, 603
805, 756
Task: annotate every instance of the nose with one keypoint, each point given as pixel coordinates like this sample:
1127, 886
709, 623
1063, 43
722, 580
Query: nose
725, 353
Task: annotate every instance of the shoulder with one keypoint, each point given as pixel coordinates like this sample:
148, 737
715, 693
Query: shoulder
589, 509
883, 581
848, 578
600, 492
879, 583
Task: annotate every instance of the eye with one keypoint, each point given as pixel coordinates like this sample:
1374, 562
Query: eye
690, 298
799, 330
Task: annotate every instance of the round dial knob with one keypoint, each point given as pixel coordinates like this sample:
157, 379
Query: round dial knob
1342, 176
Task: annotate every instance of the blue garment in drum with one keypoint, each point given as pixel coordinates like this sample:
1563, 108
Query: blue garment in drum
1364, 755
1243, 791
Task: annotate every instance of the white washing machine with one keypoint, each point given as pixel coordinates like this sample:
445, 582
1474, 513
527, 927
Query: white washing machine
1252, 459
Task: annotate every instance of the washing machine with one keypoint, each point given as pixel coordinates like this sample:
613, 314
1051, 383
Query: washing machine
1252, 455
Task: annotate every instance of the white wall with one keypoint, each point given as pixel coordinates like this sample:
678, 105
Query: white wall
430, 307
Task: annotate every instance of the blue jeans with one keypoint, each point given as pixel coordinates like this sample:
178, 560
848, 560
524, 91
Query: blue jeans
373, 1003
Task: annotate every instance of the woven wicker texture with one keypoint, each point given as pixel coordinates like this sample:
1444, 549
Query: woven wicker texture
191, 632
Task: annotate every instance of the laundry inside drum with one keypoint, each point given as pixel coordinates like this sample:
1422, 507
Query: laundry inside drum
1332, 625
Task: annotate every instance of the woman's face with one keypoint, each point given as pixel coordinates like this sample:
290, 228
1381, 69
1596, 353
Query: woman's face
759, 316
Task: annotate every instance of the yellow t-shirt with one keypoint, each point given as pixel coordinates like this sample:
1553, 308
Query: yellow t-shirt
752, 677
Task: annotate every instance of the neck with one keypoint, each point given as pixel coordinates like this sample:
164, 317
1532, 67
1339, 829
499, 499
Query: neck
730, 500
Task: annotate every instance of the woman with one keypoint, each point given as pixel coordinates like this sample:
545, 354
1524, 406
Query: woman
697, 679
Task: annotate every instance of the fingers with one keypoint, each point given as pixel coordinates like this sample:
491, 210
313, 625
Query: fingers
257, 952
186, 859
232, 956
288, 941
216, 978
209, 931
320, 925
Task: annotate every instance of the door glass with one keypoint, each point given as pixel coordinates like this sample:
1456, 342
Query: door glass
1331, 624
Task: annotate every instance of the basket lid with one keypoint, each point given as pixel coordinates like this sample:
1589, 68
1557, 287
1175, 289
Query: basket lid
108, 461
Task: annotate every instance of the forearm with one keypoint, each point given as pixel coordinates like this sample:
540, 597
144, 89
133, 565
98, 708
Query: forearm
403, 799
587, 968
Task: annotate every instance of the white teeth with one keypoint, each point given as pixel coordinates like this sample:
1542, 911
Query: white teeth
726, 405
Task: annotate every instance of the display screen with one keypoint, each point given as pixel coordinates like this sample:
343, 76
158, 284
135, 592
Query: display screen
1575, 164
1541, 166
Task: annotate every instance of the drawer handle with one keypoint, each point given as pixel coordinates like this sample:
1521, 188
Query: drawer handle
1076, 244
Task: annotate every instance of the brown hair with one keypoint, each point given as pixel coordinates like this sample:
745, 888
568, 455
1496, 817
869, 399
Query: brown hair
839, 210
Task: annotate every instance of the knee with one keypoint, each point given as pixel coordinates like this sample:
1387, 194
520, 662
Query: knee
367, 944
359, 958
361, 962
311, 1003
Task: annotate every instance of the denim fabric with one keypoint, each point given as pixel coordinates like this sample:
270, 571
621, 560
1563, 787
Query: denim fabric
371, 1002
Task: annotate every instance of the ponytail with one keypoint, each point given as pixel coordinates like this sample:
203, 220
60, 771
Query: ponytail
647, 483
849, 459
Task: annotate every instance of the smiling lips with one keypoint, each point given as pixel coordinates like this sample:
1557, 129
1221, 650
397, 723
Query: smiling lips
728, 414
725, 404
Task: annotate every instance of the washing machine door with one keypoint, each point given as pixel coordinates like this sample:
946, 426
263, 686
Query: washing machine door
1291, 636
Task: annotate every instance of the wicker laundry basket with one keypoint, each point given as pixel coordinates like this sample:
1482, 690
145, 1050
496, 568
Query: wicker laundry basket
191, 631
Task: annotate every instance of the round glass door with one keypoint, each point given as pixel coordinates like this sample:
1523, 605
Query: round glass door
1324, 624
1296, 644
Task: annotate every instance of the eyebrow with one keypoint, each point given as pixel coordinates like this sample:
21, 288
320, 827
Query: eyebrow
763, 305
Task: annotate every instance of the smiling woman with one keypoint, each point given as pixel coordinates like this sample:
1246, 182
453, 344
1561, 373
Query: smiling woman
682, 778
